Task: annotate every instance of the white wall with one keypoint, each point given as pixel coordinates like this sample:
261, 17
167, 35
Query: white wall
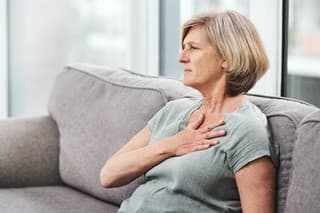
3, 60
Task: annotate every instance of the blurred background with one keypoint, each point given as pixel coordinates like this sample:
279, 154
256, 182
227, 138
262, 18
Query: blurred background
39, 37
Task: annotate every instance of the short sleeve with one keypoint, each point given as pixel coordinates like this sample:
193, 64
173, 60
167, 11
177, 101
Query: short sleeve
248, 144
154, 121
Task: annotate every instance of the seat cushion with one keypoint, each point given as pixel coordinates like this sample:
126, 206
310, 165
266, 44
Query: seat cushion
98, 110
284, 116
51, 199
304, 190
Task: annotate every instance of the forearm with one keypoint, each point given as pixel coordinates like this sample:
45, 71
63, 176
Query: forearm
125, 167
138, 155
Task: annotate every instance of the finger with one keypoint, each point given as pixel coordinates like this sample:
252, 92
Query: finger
205, 144
197, 123
212, 142
212, 126
215, 134
202, 147
209, 142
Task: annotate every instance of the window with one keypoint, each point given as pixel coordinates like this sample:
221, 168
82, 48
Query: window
47, 35
303, 69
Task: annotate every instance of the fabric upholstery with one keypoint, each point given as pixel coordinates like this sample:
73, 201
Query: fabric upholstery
283, 116
303, 195
97, 111
29, 152
50, 199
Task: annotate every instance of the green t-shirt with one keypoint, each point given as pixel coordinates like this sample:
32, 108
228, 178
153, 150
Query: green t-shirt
201, 181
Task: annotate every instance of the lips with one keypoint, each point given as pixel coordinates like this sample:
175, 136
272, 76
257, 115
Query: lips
187, 70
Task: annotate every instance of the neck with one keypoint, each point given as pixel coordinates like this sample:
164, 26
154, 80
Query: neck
215, 99
220, 103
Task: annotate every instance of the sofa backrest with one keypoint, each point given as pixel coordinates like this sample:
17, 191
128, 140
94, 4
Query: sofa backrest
97, 110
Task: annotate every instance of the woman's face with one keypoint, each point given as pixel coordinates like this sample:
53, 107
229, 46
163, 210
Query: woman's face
202, 66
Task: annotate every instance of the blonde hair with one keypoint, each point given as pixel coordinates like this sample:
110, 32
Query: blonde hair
235, 40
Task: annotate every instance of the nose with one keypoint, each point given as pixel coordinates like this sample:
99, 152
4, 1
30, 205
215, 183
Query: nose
184, 57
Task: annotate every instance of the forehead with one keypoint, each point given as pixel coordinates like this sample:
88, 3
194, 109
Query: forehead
196, 34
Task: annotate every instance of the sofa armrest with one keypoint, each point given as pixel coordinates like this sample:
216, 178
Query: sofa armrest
304, 189
29, 150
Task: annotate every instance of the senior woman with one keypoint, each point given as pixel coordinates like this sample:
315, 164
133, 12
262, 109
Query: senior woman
208, 154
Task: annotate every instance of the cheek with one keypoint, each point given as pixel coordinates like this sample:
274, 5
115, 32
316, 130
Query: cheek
203, 68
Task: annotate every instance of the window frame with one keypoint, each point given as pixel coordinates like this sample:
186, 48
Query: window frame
284, 56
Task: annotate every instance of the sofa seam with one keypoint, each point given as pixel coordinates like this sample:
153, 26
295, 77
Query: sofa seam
309, 120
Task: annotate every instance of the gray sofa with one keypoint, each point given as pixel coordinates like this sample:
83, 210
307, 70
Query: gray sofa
52, 163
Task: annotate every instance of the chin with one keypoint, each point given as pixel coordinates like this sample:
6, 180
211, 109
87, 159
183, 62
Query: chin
190, 80
188, 83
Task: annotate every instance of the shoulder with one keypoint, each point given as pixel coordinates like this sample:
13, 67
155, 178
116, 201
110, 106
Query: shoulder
249, 137
249, 121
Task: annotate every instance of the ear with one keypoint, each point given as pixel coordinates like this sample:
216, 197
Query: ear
224, 65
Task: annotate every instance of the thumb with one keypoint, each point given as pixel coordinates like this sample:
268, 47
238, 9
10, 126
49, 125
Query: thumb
197, 123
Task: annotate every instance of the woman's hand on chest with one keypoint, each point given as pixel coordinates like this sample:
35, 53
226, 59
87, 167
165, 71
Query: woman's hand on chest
193, 138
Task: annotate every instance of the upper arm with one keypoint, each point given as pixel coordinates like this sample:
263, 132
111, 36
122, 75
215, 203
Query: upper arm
256, 185
140, 140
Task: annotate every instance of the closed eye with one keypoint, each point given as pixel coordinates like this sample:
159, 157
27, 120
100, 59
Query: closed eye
193, 48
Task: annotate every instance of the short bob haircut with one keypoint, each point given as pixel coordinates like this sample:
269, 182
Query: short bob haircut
235, 40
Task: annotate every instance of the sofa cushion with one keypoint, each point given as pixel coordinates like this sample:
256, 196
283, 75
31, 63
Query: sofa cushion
97, 110
283, 115
304, 190
50, 199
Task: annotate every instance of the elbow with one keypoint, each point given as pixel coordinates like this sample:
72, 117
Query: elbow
104, 183
105, 180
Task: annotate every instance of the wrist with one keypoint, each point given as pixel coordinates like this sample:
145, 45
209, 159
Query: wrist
165, 147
